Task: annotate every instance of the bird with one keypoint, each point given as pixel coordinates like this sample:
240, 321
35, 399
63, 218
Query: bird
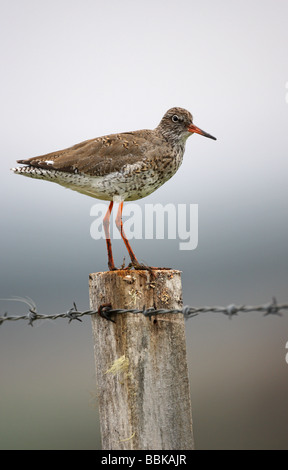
119, 167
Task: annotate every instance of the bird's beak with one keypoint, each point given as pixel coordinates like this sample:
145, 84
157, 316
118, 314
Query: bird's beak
192, 128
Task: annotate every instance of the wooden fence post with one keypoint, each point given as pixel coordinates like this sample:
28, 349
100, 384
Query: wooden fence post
141, 366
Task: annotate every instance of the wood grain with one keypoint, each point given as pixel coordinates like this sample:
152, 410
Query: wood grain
141, 365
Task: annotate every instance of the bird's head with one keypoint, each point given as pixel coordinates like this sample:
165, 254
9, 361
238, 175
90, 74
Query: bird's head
177, 124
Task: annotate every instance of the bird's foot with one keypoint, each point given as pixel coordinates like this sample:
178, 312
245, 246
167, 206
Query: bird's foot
137, 266
112, 267
141, 266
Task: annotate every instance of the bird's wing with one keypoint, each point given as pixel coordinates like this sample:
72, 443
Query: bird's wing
96, 157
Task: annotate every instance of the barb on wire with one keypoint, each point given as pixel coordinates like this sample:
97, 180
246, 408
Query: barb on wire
106, 310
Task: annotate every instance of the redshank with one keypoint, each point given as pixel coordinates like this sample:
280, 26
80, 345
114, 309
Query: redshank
119, 167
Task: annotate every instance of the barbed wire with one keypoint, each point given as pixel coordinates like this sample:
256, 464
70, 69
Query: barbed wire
106, 310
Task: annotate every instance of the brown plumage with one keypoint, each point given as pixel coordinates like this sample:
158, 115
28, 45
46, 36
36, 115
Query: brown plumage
96, 157
126, 166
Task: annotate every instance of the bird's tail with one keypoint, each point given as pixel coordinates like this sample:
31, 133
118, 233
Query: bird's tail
33, 172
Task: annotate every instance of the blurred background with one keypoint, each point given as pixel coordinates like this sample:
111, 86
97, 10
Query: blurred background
74, 70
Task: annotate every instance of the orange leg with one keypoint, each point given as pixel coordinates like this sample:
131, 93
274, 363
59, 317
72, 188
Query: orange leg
106, 223
119, 225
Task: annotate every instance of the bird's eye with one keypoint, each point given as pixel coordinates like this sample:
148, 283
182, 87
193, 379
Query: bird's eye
175, 118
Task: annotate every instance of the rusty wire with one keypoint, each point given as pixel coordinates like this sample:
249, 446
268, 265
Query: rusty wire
105, 311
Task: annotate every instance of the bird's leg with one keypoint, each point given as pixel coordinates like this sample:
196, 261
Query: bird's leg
119, 225
106, 223
134, 262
